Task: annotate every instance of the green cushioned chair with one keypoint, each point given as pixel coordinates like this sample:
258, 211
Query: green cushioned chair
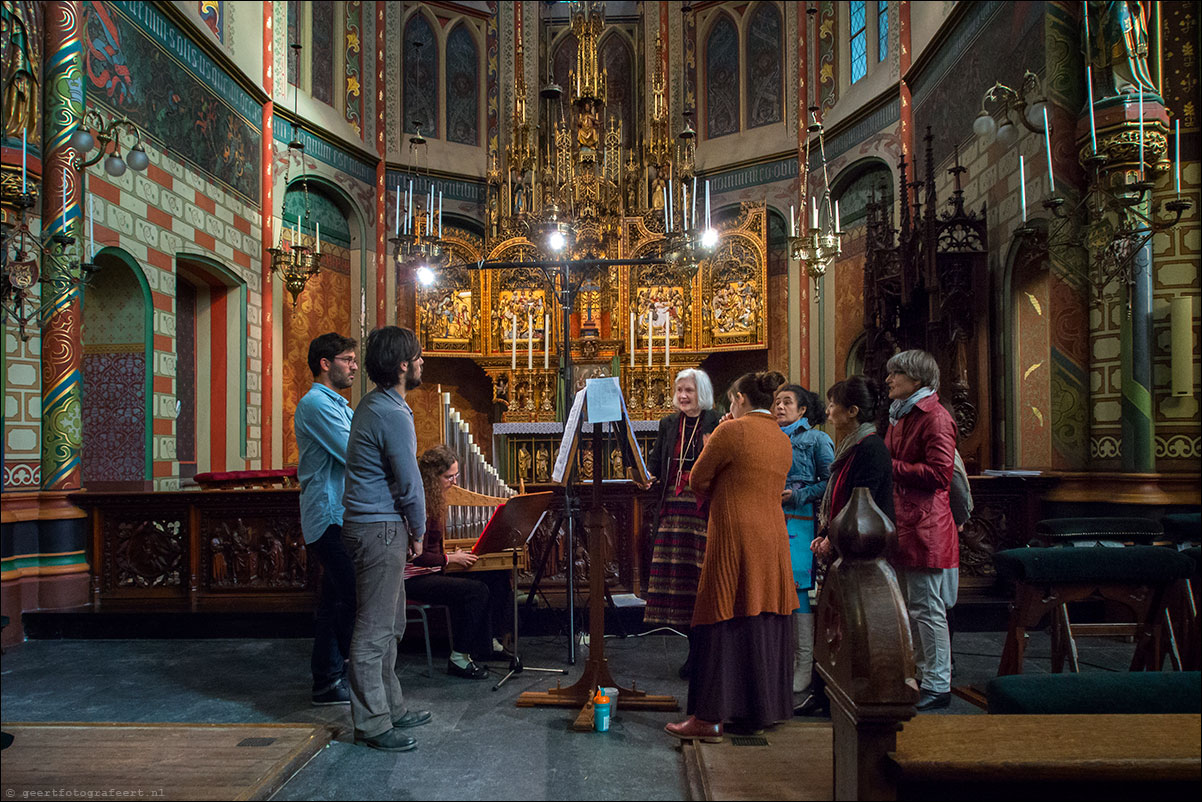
1096, 692
1047, 579
1185, 527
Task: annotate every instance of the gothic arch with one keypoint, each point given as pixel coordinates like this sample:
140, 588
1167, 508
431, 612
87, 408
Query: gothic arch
722, 69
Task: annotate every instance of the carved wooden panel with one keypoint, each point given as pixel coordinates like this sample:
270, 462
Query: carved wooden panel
145, 553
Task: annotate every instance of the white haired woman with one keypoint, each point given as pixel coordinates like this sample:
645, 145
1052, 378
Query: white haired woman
922, 442
679, 524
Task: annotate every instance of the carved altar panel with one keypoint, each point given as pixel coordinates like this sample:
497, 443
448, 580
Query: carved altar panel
449, 312
733, 282
142, 553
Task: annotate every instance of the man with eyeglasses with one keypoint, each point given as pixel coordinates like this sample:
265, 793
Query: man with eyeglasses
323, 425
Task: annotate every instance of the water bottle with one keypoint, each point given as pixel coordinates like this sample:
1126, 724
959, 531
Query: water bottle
601, 713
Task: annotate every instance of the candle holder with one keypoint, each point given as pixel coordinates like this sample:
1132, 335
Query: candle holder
818, 245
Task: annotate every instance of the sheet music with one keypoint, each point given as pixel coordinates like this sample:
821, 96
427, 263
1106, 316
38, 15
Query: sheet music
567, 447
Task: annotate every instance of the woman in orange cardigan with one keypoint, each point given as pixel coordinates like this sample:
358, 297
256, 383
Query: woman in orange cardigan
742, 623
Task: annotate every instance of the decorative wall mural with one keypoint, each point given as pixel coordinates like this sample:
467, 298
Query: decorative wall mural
354, 65
321, 51
212, 14
421, 77
132, 73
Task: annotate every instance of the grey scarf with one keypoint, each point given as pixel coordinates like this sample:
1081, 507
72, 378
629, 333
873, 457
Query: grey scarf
842, 454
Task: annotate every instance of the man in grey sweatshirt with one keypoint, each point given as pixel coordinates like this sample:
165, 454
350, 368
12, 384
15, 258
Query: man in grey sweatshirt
383, 526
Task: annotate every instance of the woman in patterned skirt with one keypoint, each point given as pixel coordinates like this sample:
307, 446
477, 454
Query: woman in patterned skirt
679, 524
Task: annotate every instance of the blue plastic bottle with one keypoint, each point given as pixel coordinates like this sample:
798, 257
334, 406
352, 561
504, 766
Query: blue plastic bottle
601, 713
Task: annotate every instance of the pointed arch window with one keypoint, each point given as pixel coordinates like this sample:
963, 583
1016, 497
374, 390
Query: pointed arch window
882, 30
421, 76
617, 60
462, 92
764, 102
722, 79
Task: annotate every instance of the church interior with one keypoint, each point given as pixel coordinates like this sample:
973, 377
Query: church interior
549, 193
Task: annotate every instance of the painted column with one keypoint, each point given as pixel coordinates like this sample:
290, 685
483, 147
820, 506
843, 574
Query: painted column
803, 118
267, 173
906, 114
381, 177
61, 342
1139, 431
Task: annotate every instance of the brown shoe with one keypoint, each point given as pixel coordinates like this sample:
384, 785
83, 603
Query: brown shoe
694, 729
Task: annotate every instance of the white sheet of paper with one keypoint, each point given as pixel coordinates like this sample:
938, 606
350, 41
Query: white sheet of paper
604, 399
565, 454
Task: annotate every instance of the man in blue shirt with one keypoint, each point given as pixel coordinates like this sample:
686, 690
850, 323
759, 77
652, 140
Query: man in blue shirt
385, 522
322, 424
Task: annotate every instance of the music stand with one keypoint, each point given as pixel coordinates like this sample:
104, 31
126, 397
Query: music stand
510, 529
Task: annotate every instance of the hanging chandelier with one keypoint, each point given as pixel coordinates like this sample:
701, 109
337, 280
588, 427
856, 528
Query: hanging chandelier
297, 263
418, 241
815, 236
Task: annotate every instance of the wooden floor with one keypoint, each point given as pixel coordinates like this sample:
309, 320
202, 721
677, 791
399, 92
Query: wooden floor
790, 761
156, 761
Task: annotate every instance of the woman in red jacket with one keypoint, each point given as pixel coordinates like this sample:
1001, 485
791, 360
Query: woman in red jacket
922, 441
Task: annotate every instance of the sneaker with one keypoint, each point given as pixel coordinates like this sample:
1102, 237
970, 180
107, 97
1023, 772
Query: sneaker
392, 740
336, 694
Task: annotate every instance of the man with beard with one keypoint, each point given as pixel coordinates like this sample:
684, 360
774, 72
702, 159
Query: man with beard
385, 522
322, 424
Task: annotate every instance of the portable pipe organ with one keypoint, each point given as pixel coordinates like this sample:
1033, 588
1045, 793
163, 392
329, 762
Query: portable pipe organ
480, 491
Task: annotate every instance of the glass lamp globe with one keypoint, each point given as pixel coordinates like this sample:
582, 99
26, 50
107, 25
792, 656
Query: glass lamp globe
985, 127
138, 159
115, 166
82, 140
1035, 113
1007, 134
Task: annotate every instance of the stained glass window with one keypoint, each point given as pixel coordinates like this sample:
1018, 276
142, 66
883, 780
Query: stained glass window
564, 60
463, 99
321, 50
616, 59
294, 37
722, 79
859, 41
421, 77
882, 30
764, 102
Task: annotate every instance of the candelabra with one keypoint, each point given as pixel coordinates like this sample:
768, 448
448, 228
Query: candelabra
298, 263
820, 242
419, 242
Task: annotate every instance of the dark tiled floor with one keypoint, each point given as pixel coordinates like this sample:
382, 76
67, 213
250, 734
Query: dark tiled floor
479, 745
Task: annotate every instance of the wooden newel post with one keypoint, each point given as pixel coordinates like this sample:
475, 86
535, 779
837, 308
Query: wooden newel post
864, 650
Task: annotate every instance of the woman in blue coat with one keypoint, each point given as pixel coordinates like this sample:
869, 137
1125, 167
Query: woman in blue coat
798, 412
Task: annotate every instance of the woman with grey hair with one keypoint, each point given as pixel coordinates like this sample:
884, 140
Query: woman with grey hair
679, 523
922, 442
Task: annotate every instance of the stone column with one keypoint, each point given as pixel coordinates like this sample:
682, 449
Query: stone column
61, 342
1139, 430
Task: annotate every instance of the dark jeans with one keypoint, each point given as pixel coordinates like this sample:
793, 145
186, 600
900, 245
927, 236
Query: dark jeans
335, 618
480, 603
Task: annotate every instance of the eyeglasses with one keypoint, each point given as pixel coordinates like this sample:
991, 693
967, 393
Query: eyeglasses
350, 360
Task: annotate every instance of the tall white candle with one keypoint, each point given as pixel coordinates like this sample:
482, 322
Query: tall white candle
513, 339
1177, 158
667, 340
650, 333
1022, 187
1141, 132
409, 209
684, 208
667, 215
440, 214
91, 232
671, 191
319, 236
23, 156
398, 210
792, 221
814, 200
1047, 143
707, 203
838, 224
632, 339
546, 341
693, 208
529, 341
1093, 128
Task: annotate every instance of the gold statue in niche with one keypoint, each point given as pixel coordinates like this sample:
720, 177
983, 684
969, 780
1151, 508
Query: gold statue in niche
523, 462
542, 462
586, 135
526, 308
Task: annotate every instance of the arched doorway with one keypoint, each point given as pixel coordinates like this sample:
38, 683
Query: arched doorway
116, 368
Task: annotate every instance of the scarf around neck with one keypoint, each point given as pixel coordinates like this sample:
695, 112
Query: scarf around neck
791, 428
899, 409
842, 454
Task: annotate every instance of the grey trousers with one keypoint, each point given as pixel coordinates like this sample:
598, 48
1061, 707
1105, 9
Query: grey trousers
379, 551
930, 593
